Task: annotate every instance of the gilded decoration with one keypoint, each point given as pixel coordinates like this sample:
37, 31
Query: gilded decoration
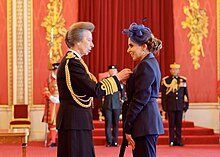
20, 51
19, 41
197, 22
30, 50
54, 25
10, 52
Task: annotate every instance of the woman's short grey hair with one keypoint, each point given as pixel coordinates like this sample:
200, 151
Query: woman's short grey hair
75, 32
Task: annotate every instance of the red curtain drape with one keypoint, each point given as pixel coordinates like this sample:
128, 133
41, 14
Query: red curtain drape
112, 16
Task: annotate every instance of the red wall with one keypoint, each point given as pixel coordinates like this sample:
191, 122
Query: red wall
202, 83
3, 54
40, 46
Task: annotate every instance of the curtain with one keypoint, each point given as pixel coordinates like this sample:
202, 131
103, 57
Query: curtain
110, 17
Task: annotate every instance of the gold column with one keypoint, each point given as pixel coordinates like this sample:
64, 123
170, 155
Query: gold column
19, 51
20, 64
10, 51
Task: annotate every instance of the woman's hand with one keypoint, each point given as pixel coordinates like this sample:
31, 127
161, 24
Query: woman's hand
124, 74
130, 141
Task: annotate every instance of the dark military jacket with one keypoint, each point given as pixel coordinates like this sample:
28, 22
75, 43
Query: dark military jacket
143, 115
71, 115
174, 93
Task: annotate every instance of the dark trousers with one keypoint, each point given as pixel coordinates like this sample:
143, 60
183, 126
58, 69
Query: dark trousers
175, 126
111, 119
145, 146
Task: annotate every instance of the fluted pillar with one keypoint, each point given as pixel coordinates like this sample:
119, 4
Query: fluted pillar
20, 53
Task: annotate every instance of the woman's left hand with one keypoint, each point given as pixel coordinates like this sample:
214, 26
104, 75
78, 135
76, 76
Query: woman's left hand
130, 140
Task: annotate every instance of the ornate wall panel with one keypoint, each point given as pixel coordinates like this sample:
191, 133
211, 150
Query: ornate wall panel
40, 44
10, 49
19, 51
201, 82
19, 60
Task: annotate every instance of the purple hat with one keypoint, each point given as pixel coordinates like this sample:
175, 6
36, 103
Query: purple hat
138, 33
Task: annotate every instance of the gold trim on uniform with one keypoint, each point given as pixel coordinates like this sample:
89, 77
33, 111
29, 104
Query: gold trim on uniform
105, 86
54, 114
53, 129
183, 77
70, 55
109, 85
173, 86
114, 84
78, 99
185, 98
163, 79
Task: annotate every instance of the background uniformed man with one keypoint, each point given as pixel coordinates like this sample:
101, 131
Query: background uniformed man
112, 110
175, 100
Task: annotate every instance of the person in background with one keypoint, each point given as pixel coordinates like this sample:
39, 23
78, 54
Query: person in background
77, 86
112, 111
50, 92
175, 101
143, 123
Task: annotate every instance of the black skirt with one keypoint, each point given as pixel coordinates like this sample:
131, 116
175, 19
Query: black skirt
75, 143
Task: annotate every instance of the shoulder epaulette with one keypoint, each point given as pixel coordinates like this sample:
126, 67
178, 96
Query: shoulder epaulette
183, 77
165, 77
70, 55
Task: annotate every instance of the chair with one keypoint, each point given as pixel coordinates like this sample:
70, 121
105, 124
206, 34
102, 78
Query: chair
20, 117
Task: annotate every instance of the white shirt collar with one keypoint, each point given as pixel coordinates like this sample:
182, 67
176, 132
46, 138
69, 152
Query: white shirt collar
76, 53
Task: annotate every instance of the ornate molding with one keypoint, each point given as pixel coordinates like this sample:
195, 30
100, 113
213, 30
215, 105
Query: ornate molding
30, 50
54, 25
197, 22
20, 51
10, 52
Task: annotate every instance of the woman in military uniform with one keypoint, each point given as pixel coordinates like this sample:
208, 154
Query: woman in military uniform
76, 87
143, 123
